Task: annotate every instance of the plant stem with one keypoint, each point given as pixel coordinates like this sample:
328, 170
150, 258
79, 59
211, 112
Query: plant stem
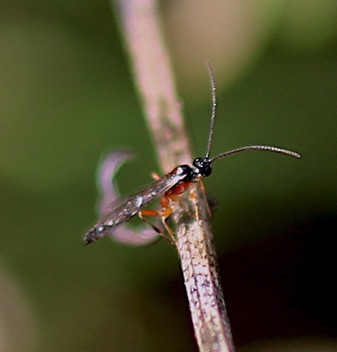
140, 25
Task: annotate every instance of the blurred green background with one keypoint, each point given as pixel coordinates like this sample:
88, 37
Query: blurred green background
66, 95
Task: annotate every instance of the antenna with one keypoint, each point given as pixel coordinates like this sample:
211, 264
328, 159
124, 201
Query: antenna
214, 105
203, 164
267, 148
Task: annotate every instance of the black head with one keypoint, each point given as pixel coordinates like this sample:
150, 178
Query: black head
202, 167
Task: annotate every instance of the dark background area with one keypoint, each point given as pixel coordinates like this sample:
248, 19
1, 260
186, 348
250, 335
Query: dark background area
66, 95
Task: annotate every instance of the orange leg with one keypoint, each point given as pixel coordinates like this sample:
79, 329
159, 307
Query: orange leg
155, 176
207, 202
204, 194
164, 215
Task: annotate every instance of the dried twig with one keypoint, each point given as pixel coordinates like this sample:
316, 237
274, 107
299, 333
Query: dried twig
140, 26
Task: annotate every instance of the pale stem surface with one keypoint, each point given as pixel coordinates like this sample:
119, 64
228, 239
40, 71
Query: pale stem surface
140, 25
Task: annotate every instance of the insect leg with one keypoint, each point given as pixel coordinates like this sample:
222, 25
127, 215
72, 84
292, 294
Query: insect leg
155, 176
206, 198
164, 214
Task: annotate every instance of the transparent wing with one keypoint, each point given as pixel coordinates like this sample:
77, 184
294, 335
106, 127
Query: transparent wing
124, 208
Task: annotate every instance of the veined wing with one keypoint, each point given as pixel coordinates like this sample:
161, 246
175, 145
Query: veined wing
124, 208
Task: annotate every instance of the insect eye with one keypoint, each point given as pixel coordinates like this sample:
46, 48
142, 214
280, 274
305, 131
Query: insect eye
197, 162
203, 166
206, 171
201, 163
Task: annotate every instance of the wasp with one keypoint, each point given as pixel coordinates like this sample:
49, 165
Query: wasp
169, 186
